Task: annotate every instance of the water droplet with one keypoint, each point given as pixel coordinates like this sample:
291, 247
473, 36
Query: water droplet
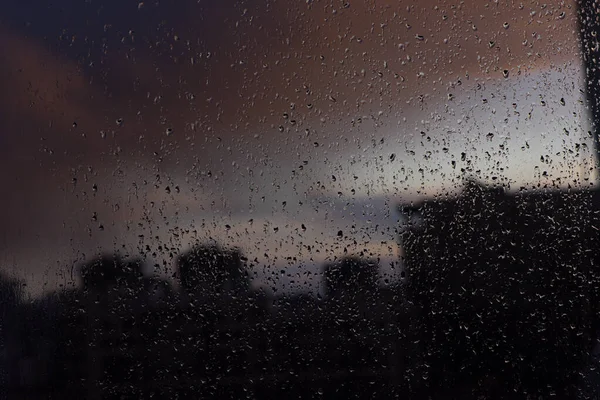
169, 131
119, 122
505, 73
505, 25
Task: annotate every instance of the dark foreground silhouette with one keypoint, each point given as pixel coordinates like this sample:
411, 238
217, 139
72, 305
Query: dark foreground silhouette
126, 335
500, 301
504, 288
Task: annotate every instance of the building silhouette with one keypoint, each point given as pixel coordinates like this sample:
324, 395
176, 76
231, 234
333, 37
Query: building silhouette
504, 285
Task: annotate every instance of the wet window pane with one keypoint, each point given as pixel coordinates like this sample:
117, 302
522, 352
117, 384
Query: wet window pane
299, 199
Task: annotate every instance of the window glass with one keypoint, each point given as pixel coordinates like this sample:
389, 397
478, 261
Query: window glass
320, 198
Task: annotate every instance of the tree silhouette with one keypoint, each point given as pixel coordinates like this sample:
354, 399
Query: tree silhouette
11, 327
210, 270
110, 269
350, 276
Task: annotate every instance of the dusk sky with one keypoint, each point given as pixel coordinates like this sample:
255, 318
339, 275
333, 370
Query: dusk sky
127, 124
